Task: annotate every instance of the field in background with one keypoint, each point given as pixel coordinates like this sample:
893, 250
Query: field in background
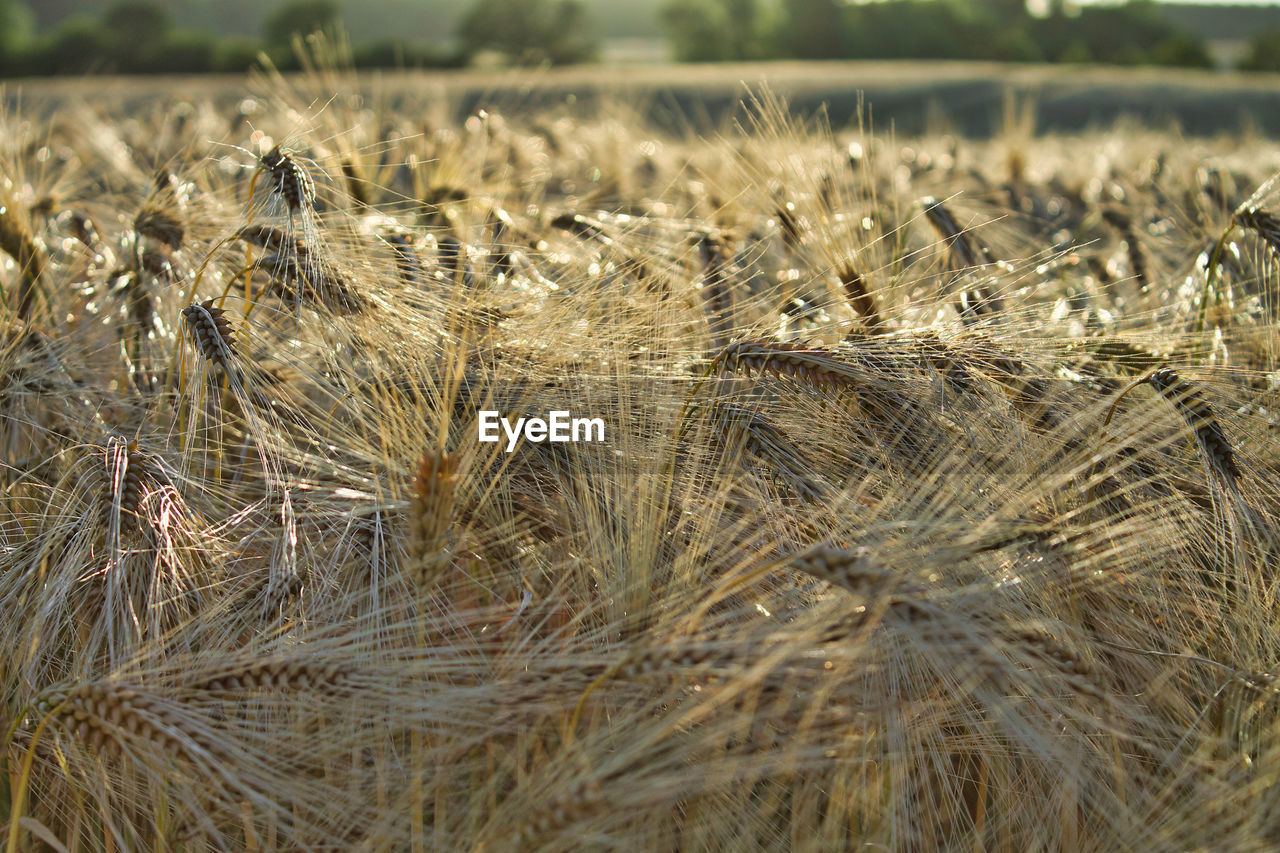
937, 506
910, 97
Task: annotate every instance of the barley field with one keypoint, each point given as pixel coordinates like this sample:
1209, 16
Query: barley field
935, 507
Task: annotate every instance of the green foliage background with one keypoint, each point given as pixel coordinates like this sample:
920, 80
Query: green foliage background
138, 36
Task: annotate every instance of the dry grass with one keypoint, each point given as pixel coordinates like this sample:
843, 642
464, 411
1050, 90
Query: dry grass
918, 524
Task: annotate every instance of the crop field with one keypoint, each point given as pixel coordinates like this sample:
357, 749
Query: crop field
932, 503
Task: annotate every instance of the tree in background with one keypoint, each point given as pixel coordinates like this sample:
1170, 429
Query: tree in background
135, 30
696, 30
1130, 34
1263, 53
17, 22
717, 30
129, 37
299, 17
911, 29
138, 22
141, 36
78, 46
527, 32
1181, 50
814, 29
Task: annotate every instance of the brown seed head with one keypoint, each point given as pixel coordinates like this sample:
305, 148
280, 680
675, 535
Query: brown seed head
1199, 416
274, 674
860, 297
210, 331
1263, 223
811, 365
125, 468
963, 251
160, 224
289, 179
109, 715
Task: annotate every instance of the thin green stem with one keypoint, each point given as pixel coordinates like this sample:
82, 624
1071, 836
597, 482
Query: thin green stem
20, 795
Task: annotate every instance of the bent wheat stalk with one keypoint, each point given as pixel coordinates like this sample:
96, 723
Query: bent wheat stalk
767, 441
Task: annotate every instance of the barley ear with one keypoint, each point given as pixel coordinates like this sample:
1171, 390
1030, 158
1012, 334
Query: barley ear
431, 511
861, 298
19, 243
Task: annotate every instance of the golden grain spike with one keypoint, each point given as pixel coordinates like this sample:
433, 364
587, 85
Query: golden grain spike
583, 801
432, 501
582, 226
790, 226
126, 467
811, 365
274, 674
265, 237
849, 568
112, 715
408, 265
431, 513
768, 442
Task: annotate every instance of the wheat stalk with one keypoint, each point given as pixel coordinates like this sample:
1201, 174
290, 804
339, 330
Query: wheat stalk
977, 301
280, 674
300, 274
959, 241
1122, 222
767, 441
117, 716
716, 289
125, 471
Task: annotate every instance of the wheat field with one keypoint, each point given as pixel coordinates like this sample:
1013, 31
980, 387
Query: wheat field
934, 510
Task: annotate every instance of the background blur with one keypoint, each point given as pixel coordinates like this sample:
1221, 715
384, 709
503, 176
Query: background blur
52, 37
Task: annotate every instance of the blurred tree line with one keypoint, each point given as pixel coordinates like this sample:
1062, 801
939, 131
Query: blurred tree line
1002, 30
141, 36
